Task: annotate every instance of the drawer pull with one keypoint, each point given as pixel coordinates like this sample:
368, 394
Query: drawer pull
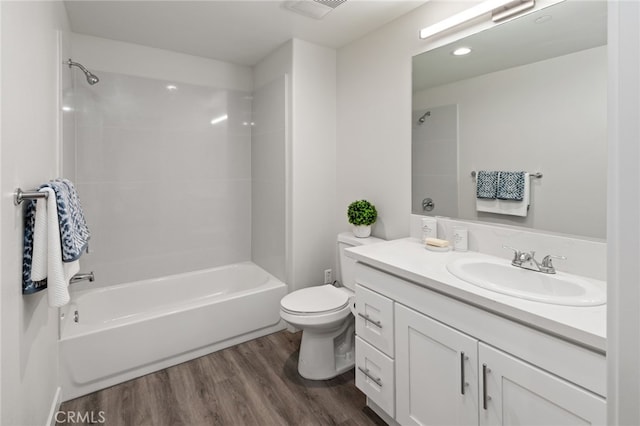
366, 372
368, 318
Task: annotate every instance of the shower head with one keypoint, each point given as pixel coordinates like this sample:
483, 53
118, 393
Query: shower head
91, 78
426, 114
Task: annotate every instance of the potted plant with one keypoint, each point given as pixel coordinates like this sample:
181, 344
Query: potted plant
362, 214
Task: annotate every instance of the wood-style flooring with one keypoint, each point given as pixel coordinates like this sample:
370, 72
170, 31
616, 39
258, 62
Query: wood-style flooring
254, 383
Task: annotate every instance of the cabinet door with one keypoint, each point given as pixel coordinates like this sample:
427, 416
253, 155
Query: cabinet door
514, 393
436, 372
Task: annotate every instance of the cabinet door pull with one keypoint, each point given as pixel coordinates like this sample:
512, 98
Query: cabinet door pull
366, 372
368, 318
462, 381
485, 397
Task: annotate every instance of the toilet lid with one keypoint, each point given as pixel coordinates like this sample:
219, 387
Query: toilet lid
315, 300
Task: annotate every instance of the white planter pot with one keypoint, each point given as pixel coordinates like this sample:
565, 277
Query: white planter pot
362, 231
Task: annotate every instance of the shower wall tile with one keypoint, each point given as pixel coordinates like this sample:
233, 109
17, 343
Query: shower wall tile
269, 108
268, 156
164, 190
268, 171
268, 225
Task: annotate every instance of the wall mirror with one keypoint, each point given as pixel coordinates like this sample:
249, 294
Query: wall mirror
530, 96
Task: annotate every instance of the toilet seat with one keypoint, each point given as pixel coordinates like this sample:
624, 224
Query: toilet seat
312, 301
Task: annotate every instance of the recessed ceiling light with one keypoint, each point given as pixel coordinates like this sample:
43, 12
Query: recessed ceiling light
171, 87
461, 51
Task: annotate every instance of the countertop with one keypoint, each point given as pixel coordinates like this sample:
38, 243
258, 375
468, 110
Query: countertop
408, 259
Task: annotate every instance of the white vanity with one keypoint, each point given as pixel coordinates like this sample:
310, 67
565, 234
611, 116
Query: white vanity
432, 349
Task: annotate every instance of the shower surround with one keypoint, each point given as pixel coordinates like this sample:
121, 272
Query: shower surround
164, 171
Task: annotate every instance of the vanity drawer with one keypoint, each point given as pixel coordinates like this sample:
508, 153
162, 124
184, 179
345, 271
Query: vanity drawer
374, 319
375, 376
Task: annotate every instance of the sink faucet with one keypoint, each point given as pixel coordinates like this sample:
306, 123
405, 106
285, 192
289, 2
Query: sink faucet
528, 261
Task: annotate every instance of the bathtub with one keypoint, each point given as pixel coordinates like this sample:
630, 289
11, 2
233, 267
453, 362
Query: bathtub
112, 334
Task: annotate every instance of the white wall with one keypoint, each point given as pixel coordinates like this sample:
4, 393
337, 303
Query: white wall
373, 118
565, 112
30, 69
313, 164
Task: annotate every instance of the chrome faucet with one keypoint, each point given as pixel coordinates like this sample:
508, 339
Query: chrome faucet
528, 261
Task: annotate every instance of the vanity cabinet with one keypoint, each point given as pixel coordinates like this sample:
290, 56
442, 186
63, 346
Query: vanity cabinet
445, 377
458, 364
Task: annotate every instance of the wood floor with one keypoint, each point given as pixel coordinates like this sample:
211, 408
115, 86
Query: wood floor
254, 383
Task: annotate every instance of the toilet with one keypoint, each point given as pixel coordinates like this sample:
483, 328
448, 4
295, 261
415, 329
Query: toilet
324, 314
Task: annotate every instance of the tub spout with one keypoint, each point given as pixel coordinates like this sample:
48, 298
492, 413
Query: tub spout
82, 277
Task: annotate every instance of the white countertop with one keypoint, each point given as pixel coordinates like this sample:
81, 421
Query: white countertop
408, 259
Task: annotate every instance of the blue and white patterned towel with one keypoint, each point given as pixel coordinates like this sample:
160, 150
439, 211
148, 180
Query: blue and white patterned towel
511, 186
29, 286
486, 184
74, 233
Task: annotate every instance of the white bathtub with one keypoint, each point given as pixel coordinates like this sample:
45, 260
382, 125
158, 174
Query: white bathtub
129, 330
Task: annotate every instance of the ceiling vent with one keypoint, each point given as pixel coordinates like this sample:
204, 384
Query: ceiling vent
316, 9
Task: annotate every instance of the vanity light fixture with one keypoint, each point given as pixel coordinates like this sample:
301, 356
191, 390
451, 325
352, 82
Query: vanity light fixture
500, 8
461, 51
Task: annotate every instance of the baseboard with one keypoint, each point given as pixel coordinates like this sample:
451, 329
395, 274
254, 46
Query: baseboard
55, 407
381, 413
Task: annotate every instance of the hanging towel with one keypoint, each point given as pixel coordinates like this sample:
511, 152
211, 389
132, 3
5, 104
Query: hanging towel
508, 207
486, 184
58, 273
29, 286
74, 232
57, 220
511, 186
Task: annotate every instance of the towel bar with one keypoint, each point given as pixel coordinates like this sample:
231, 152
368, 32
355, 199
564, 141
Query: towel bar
19, 196
536, 175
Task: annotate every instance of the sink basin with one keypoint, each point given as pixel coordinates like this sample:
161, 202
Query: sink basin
500, 276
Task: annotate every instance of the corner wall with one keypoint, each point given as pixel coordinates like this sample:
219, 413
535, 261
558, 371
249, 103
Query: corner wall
313, 164
29, 156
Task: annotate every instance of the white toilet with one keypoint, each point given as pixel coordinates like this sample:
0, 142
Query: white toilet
323, 313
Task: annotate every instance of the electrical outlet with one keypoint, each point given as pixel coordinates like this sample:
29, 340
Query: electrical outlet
327, 276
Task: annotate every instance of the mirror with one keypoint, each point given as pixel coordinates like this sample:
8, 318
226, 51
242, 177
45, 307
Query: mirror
531, 96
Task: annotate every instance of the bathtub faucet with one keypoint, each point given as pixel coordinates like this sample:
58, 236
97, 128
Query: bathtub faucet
82, 277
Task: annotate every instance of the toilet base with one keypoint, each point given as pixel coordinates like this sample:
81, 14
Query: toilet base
328, 353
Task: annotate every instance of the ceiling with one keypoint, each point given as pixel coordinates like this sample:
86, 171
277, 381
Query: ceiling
235, 31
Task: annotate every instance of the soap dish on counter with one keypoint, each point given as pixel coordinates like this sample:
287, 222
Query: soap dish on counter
437, 249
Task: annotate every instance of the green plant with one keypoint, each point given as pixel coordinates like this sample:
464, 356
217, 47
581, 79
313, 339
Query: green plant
362, 212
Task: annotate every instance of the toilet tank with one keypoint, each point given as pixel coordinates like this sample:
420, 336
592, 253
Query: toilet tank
346, 264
